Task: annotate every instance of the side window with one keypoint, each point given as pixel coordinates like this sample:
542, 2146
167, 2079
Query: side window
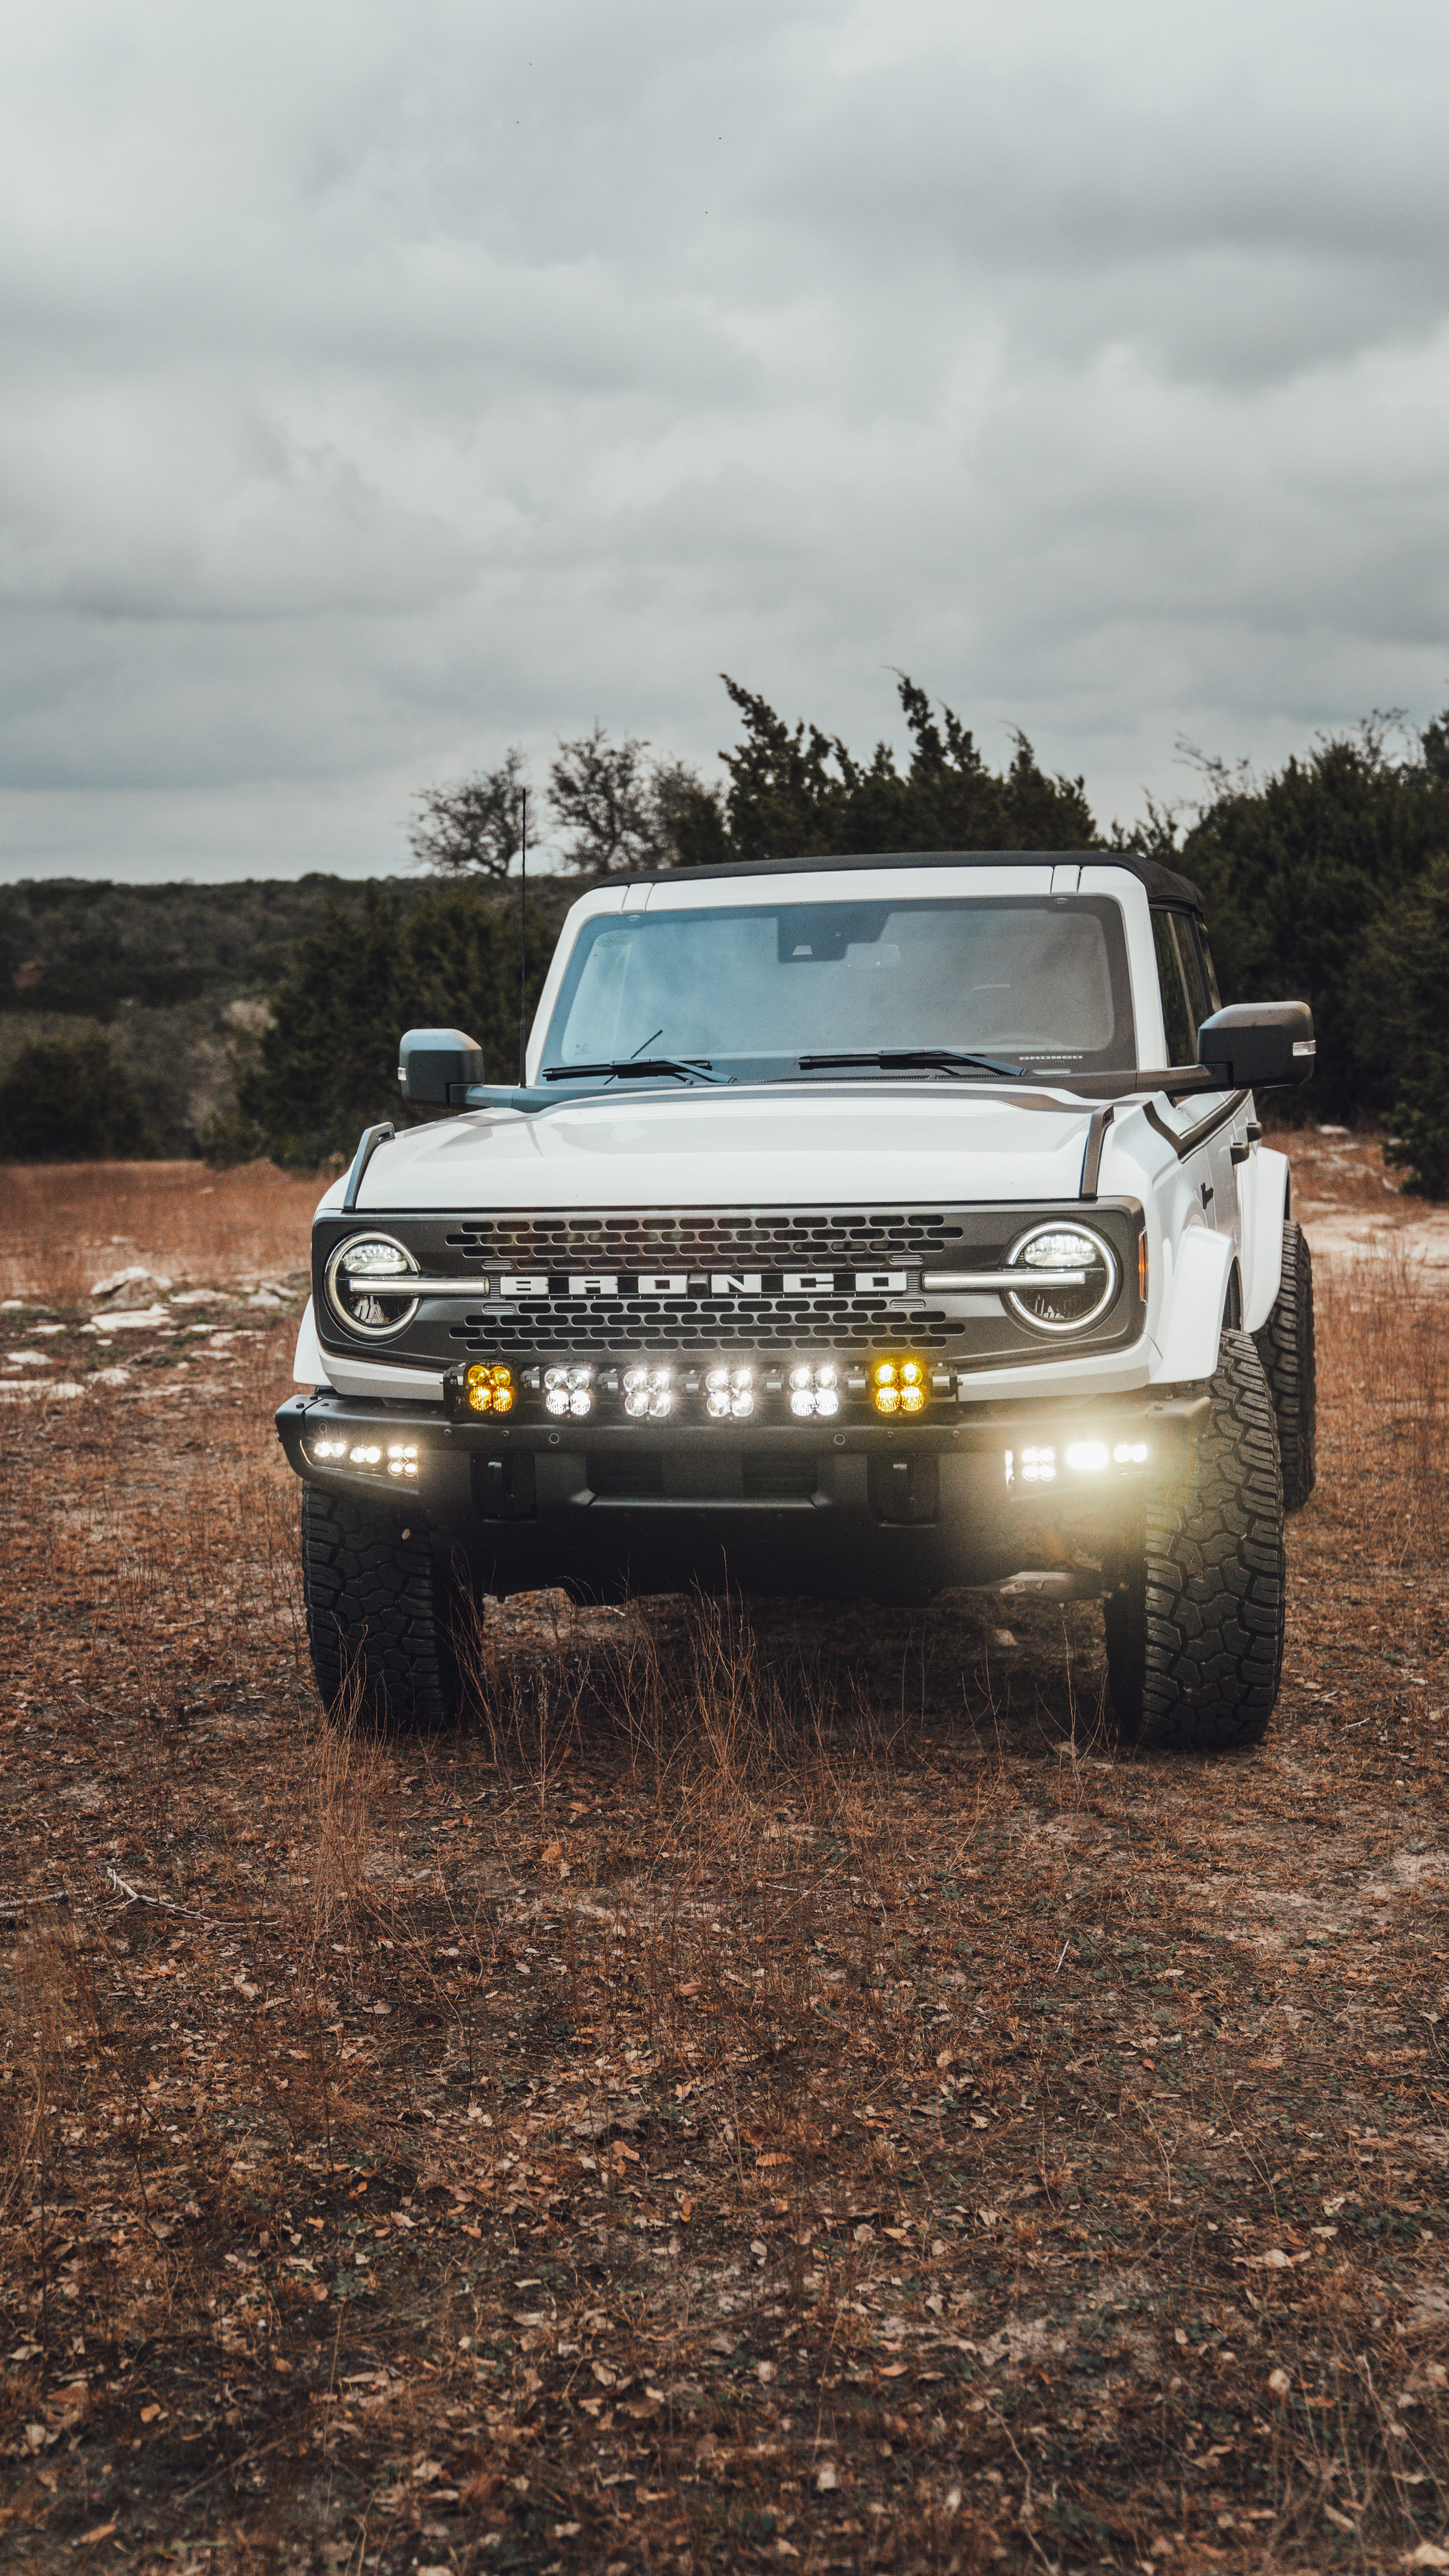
1179, 1018
1210, 976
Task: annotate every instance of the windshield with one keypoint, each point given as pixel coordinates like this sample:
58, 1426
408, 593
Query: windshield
750, 988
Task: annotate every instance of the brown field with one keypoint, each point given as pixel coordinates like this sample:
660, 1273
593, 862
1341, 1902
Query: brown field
772, 2092
63, 1226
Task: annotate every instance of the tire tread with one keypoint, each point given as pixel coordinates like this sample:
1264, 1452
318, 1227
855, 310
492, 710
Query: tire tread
1195, 1641
1287, 1349
376, 1613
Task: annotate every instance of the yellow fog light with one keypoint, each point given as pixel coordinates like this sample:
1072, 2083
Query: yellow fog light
489, 1387
898, 1386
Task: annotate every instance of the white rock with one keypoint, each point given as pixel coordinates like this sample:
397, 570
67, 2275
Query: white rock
25, 1390
134, 1286
146, 1319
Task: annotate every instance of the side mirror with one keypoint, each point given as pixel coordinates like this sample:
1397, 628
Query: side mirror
1259, 1046
436, 1066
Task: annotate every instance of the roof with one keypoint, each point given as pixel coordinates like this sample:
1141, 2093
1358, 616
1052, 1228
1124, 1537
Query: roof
1163, 885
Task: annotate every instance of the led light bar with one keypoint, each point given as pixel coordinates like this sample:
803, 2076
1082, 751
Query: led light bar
1042, 1462
398, 1457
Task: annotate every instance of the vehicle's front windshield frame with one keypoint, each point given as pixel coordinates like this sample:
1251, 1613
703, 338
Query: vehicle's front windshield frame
1039, 1062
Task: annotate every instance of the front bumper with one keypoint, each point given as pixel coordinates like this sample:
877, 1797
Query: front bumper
1046, 1496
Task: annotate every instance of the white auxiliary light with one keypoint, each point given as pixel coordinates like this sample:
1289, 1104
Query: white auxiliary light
814, 1389
569, 1390
1088, 1457
729, 1393
648, 1396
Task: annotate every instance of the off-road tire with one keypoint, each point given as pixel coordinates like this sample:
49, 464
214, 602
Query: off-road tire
1195, 1635
377, 1614
1285, 1347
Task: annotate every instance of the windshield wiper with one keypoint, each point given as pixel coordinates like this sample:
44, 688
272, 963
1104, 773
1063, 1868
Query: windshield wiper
632, 1065
915, 1059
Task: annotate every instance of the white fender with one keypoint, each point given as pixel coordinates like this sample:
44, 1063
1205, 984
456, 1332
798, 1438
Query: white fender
309, 1368
1193, 1310
1270, 1207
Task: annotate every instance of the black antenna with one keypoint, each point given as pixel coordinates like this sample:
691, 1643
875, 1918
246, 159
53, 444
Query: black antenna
523, 944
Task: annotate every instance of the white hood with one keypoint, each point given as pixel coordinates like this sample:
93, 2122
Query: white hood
853, 1145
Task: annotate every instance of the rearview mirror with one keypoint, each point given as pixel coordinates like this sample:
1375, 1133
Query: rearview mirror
1259, 1046
436, 1066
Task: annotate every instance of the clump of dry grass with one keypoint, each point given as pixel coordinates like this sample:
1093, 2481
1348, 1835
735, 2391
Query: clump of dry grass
65, 1225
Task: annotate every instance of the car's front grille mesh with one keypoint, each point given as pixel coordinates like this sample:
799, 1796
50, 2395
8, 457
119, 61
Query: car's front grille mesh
707, 1239
694, 1327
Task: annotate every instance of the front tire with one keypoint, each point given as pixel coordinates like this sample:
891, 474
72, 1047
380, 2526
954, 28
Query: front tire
377, 1614
1195, 1634
1286, 1348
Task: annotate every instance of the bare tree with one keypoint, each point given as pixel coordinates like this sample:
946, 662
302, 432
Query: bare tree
613, 806
620, 808
599, 792
475, 828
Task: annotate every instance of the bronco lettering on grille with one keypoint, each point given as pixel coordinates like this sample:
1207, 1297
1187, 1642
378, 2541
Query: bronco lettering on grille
715, 1283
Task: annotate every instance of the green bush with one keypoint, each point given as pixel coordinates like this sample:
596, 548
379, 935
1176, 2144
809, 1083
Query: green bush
327, 1067
1307, 876
1408, 974
69, 1101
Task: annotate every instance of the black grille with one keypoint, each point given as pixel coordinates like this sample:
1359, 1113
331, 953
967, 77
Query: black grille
708, 1239
696, 1327
703, 1240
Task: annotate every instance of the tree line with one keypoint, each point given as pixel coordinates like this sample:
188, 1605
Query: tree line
1327, 880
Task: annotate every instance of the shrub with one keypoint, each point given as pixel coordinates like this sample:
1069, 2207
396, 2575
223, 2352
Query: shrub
70, 1101
1408, 975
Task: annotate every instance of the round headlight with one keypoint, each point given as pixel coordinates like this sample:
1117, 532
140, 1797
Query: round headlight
1075, 1282
366, 1282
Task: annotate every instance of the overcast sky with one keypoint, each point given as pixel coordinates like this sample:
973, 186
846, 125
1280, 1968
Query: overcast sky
386, 383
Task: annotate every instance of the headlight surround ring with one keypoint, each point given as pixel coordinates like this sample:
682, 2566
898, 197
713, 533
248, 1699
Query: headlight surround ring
1061, 1244
373, 1312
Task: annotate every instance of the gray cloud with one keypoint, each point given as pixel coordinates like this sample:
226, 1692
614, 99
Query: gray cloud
384, 385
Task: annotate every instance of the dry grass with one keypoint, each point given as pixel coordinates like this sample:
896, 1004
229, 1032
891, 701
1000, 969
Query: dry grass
769, 2089
65, 1225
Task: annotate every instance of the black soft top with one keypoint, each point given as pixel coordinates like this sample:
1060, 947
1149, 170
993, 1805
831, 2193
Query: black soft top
1163, 885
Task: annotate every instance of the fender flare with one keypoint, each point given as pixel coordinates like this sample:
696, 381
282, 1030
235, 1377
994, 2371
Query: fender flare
309, 1367
1203, 1273
1270, 1211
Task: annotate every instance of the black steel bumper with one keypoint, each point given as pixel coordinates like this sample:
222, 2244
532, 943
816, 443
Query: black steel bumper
891, 1512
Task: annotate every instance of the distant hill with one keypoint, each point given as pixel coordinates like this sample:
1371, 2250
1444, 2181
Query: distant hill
92, 950
177, 975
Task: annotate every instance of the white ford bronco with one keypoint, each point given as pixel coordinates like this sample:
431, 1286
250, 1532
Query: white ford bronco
862, 1227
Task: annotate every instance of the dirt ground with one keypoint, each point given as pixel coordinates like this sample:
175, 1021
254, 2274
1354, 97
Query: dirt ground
770, 2091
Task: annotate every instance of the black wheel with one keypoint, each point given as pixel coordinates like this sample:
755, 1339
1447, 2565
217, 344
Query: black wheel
1285, 1347
1195, 1635
377, 1614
